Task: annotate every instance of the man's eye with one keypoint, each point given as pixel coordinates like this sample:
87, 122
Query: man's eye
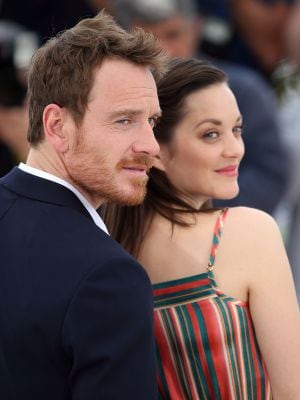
124, 121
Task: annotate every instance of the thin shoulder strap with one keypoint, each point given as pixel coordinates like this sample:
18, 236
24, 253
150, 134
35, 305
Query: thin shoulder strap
216, 238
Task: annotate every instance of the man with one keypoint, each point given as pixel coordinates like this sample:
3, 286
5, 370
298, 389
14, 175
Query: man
75, 308
264, 169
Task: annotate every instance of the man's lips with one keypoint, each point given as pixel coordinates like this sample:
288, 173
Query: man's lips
136, 169
230, 170
140, 164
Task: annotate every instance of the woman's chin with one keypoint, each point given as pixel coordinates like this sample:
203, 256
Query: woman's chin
228, 195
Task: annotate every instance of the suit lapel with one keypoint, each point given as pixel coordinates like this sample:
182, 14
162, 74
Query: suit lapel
37, 188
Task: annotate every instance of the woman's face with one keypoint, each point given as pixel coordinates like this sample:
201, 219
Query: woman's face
203, 157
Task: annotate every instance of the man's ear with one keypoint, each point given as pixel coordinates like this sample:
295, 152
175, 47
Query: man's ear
55, 134
158, 164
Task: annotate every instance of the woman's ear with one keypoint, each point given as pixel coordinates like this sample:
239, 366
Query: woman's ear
53, 118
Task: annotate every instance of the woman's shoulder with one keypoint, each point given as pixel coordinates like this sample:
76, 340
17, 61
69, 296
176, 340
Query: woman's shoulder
245, 214
252, 222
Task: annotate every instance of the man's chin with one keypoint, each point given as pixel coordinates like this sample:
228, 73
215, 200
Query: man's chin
133, 200
136, 193
132, 197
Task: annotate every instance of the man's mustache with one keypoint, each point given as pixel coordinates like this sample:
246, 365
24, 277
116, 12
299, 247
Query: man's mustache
138, 161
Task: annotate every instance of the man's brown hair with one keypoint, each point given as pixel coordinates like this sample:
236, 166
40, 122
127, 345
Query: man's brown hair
62, 70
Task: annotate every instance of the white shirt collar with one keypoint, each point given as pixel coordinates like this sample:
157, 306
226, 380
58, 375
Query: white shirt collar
45, 175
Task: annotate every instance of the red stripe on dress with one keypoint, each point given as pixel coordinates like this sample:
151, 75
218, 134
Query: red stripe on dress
240, 370
182, 286
169, 368
213, 322
255, 356
201, 349
181, 344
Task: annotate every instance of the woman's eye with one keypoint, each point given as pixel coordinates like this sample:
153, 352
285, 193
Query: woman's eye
153, 121
238, 130
211, 135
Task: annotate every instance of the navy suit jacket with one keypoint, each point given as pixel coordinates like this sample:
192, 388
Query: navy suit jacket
75, 308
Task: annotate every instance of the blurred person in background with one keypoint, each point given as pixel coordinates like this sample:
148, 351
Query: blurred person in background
264, 169
248, 32
45, 17
287, 86
16, 48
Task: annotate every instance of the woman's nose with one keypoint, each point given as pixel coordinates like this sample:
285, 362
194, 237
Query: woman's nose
234, 146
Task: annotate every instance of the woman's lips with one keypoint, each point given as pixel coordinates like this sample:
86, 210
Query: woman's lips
231, 171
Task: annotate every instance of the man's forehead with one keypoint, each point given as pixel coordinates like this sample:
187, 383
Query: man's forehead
119, 69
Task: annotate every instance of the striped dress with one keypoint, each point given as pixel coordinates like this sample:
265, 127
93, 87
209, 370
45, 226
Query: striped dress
205, 340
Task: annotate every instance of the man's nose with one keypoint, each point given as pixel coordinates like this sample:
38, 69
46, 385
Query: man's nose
146, 142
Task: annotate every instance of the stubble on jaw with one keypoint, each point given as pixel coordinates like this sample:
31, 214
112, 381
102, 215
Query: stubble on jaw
94, 176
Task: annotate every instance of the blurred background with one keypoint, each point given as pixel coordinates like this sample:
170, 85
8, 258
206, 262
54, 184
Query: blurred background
256, 42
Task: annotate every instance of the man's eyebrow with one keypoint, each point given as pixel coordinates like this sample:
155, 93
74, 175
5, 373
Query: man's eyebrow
130, 112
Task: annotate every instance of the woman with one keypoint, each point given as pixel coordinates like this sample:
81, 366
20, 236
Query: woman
226, 323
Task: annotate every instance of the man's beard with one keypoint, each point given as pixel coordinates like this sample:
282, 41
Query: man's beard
139, 183
97, 179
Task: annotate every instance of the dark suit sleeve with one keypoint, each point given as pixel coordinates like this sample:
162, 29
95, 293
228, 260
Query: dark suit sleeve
108, 334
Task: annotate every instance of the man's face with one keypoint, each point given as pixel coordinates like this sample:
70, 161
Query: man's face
178, 35
110, 154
